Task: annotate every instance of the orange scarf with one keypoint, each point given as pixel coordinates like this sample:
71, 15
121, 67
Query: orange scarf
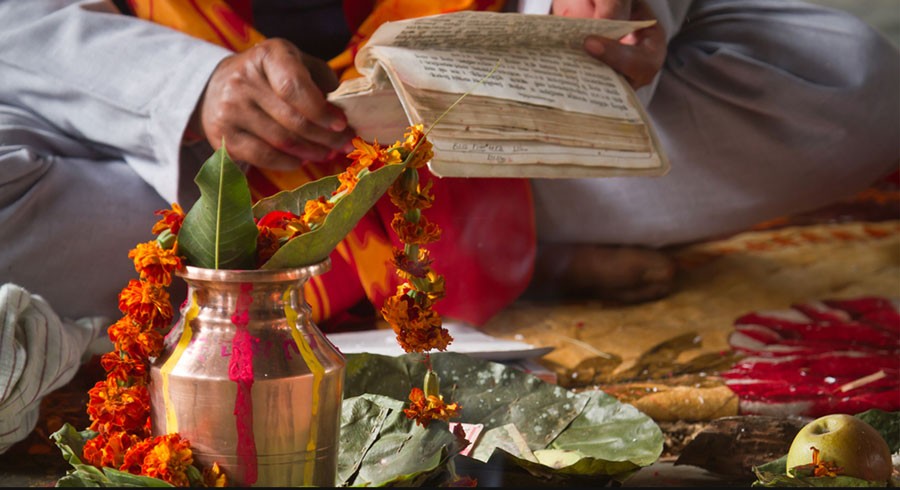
488, 241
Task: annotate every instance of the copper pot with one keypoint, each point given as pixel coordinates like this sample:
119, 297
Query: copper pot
250, 380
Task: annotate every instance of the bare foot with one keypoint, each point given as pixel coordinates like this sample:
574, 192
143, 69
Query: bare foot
622, 274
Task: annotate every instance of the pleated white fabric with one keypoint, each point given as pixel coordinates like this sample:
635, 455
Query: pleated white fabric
39, 353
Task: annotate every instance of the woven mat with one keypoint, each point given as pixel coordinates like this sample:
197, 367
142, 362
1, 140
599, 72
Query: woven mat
599, 345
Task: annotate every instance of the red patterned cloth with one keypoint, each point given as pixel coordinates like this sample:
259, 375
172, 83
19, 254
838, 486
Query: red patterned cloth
818, 358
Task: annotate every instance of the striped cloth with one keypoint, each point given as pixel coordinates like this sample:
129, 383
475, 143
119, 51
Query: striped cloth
39, 353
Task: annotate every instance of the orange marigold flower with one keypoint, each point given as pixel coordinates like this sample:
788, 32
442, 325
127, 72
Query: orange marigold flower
423, 340
135, 339
122, 367
154, 263
822, 467
365, 154
171, 220
316, 210
168, 459
108, 450
406, 200
146, 303
417, 143
348, 179
421, 233
424, 408
114, 408
418, 326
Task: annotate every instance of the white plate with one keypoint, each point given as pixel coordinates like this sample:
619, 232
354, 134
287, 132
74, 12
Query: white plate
466, 340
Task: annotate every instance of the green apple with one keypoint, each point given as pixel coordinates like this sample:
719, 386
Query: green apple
848, 442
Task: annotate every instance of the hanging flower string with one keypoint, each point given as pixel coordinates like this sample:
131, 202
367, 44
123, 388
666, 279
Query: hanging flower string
410, 311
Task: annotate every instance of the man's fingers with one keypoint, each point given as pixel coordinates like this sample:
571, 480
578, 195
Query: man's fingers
257, 122
298, 126
290, 80
630, 61
249, 148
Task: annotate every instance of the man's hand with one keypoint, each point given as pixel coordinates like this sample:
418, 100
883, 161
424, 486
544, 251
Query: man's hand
268, 103
638, 56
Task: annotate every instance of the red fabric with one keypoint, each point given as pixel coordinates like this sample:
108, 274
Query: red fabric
487, 246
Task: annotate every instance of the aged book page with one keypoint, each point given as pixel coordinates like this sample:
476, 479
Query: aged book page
546, 110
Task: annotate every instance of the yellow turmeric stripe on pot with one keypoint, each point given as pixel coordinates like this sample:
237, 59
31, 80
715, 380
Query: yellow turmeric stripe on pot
318, 372
186, 334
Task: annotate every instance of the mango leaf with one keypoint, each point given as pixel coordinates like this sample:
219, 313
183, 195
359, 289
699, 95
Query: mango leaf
614, 438
383, 447
316, 245
219, 231
610, 439
361, 422
490, 393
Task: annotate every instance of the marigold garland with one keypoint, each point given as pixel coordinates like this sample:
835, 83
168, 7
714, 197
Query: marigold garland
119, 406
410, 311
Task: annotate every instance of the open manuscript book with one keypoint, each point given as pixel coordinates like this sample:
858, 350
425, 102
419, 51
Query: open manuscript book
548, 110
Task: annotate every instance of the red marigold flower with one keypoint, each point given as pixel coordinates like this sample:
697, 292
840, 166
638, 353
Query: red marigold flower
122, 367
146, 303
276, 219
92, 453
135, 455
171, 220
114, 408
154, 263
108, 450
275, 229
267, 243
425, 408
407, 267
168, 459
422, 232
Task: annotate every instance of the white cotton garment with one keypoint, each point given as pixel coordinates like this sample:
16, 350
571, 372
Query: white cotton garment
39, 353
